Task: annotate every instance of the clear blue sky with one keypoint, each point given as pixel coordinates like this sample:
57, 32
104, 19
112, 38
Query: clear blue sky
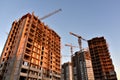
88, 18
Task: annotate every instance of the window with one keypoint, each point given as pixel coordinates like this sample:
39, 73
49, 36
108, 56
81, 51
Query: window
6, 49
41, 63
39, 74
29, 45
27, 51
26, 57
25, 63
3, 59
42, 52
41, 57
5, 54
33, 26
1, 65
24, 70
30, 40
32, 31
22, 78
42, 48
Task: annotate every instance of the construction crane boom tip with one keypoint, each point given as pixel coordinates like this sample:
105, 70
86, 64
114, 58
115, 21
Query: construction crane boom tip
70, 32
71, 47
50, 14
60, 9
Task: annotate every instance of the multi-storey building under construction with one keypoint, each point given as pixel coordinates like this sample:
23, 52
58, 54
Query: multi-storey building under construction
101, 61
31, 52
66, 71
82, 66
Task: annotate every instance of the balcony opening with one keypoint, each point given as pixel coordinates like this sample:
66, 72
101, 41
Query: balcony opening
9, 53
33, 26
42, 48
32, 31
26, 57
28, 51
30, 40
25, 63
3, 59
42, 52
5, 54
29, 45
10, 39
31, 35
41, 57
24, 70
7, 58
1, 65
22, 78
41, 63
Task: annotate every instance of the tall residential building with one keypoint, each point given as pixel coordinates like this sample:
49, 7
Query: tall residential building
31, 52
101, 61
66, 71
82, 66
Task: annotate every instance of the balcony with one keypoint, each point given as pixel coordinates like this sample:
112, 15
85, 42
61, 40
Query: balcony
23, 74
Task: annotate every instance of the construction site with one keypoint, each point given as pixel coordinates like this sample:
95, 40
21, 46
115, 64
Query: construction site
32, 51
101, 61
80, 61
92, 63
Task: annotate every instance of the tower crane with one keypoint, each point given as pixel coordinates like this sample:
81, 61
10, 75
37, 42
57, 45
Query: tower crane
71, 47
83, 61
50, 14
79, 40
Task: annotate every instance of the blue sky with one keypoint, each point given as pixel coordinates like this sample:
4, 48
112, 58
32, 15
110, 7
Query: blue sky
88, 18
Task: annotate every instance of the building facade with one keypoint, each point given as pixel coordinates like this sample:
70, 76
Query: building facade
101, 61
31, 52
66, 71
82, 66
